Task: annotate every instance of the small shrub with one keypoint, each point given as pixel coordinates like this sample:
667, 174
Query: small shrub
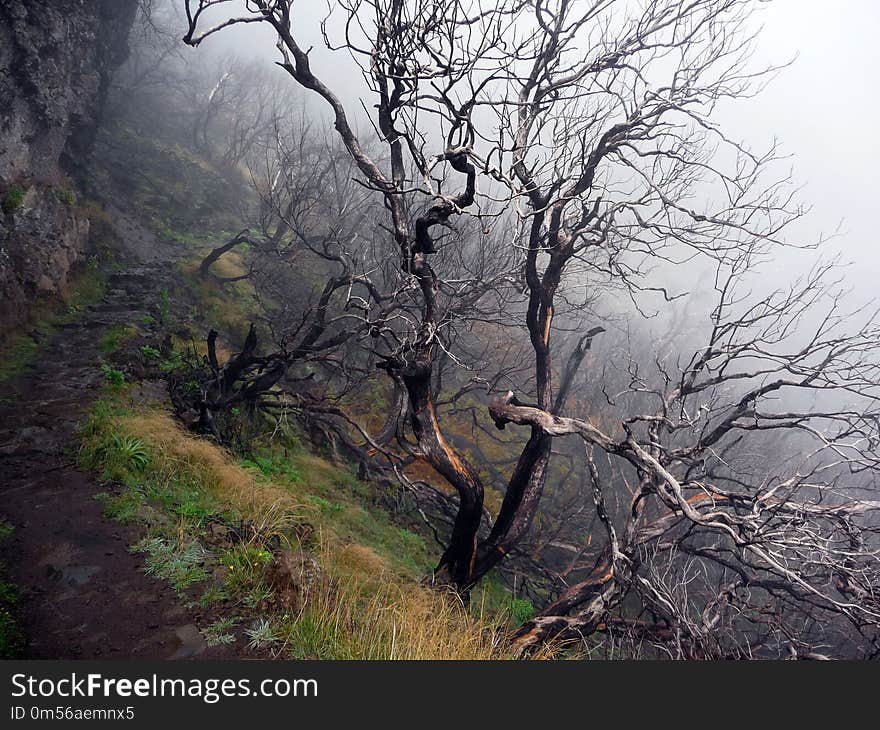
66, 196
521, 610
151, 353
112, 375
13, 199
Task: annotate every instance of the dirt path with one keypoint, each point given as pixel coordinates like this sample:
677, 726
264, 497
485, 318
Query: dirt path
83, 594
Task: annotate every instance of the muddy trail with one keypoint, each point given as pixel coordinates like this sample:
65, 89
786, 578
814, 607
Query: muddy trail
82, 593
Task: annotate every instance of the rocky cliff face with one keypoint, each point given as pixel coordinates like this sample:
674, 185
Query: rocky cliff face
56, 60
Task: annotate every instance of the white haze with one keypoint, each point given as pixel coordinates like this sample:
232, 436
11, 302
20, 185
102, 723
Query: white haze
821, 108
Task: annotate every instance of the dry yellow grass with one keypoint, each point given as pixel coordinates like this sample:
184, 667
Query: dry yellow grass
272, 509
360, 560
389, 621
230, 264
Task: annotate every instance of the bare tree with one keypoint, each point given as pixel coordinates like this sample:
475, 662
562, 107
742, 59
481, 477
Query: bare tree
592, 123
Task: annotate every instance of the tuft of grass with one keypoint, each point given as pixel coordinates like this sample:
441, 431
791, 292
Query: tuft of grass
245, 565
126, 507
326, 506
219, 633
164, 307
272, 466
181, 563
130, 452
262, 635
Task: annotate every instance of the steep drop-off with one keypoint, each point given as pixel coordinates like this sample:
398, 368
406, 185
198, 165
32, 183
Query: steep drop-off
56, 60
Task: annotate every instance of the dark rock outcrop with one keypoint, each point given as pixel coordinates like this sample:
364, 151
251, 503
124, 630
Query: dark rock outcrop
56, 61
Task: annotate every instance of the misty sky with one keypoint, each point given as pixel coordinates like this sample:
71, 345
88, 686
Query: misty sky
824, 109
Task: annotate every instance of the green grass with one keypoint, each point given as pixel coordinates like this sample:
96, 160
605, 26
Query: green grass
173, 362
113, 338
343, 504
126, 507
164, 306
145, 492
272, 466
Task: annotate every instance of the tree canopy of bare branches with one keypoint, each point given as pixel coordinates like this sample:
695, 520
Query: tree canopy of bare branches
579, 141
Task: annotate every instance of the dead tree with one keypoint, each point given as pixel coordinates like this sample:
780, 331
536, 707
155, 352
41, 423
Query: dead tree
593, 125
